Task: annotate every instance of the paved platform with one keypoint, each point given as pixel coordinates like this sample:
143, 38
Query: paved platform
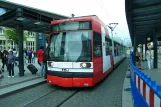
10, 85
155, 74
126, 93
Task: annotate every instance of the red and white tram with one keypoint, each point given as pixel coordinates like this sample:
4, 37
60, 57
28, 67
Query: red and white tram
80, 52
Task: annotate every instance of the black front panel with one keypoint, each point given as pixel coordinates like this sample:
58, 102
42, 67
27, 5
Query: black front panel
70, 74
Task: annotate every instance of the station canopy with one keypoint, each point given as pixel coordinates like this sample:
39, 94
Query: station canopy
143, 17
30, 19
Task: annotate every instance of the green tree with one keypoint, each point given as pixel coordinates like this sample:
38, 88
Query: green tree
12, 34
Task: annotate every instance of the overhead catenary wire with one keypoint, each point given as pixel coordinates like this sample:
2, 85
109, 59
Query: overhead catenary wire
102, 6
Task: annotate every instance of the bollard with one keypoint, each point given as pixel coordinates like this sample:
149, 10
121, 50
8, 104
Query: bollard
128, 75
128, 68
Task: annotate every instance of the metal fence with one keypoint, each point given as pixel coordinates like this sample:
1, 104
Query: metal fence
145, 91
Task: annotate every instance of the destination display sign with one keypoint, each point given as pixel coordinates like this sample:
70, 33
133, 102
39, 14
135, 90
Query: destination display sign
67, 26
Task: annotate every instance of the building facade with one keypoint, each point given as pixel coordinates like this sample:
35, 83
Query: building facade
33, 42
29, 44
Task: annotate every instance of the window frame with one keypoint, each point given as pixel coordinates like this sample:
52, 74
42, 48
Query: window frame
110, 45
100, 44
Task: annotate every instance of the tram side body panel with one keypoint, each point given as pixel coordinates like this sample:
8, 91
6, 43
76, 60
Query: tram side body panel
102, 65
97, 73
118, 60
107, 60
97, 61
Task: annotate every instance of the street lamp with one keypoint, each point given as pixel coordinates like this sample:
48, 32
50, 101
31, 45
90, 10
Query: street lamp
112, 29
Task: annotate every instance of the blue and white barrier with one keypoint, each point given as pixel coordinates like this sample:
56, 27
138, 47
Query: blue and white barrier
145, 92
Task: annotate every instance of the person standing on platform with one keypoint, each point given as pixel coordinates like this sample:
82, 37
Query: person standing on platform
33, 57
40, 55
29, 56
140, 57
11, 61
14, 52
149, 56
137, 55
4, 61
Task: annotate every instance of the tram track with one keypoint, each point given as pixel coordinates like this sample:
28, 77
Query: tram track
65, 100
56, 91
25, 105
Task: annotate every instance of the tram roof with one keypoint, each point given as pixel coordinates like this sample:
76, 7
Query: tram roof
32, 19
143, 17
80, 18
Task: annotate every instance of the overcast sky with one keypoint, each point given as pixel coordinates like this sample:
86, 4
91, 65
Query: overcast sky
109, 11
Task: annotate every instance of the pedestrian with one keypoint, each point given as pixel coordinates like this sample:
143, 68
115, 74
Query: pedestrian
4, 60
17, 59
25, 56
33, 57
140, 57
45, 62
149, 57
14, 52
40, 55
29, 56
137, 55
11, 61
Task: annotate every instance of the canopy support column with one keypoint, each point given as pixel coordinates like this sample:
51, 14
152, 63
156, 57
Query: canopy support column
21, 53
135, 45
155, 51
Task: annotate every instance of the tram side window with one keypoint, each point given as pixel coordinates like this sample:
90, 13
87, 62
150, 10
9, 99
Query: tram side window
119, 49
122, 50
108, 46
97, 42
116, 49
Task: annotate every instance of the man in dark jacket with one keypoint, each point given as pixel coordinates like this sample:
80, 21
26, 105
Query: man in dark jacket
4, 59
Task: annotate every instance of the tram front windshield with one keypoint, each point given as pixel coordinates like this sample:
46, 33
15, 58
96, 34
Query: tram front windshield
71, 47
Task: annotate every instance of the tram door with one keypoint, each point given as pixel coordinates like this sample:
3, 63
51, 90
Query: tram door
106, 57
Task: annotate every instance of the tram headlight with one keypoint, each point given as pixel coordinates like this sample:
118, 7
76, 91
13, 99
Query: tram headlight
85, 65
